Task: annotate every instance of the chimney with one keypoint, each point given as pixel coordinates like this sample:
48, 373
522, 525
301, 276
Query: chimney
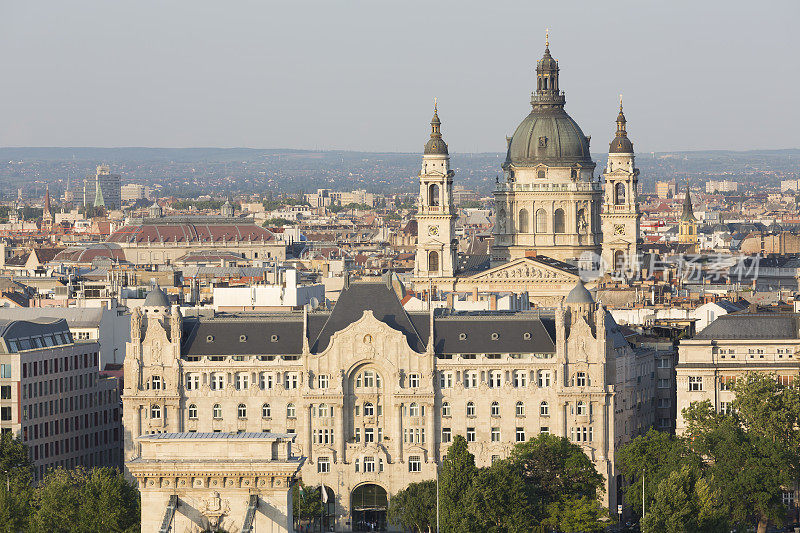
493, 302
475, 294
449, 300
530, 253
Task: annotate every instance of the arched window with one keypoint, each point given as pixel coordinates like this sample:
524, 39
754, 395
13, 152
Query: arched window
323, 411
544, 409
495, 409
369, 409
559, 224
541, 221
216, 412
470, 409
192, 412
523, 221
445, 408
580, 408
155, 411
619, 193
433, 261
266, 411
241, 410
291, 411
433, 194
413, 409
520, 409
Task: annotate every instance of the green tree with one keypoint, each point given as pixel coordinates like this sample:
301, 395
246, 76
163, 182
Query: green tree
306, 502
558, 467
81, 500
655, 455
415, 507
499, 502
278, 222
577, 514
684, 503
751, 454
16, 470
455, 481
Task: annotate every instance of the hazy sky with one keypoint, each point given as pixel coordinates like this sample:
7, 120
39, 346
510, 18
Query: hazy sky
362, 75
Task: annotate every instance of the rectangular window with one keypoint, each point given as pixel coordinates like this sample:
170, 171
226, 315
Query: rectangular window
322, 381
446, 435
369, 464
323, 465
520, 434
193, 382
242, 380
727, 382
413, 381
369, 435
495, 379
495, 434
544, 430
5, 371
290, 380
663, 403
470, 379
5, 413
663, 383
695, 383
5, 392
470, 434
544, 378
664, 362
414, 464
520, 378
725, 408
266, 381
446, 380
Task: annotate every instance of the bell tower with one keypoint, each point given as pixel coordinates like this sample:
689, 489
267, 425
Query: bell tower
620, 215
436, 215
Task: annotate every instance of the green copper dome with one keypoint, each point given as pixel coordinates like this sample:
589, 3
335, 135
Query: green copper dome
548, 135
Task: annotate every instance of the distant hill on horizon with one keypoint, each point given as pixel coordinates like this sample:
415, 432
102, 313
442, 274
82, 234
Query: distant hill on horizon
133, 153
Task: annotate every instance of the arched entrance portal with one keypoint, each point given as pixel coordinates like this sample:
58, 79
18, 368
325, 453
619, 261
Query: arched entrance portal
368, 507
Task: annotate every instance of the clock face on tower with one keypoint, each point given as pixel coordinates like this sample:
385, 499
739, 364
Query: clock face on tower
433, 230
619, 229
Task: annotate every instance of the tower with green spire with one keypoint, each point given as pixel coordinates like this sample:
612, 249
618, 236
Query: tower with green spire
687, 225
98, 195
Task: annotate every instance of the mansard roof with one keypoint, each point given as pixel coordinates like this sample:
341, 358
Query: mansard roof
454, 332
752, 326
363, 296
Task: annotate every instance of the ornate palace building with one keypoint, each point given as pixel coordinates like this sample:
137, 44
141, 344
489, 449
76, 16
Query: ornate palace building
551, 210
375, 395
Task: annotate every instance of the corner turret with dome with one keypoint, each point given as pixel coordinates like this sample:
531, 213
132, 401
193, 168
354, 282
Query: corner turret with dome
548, 201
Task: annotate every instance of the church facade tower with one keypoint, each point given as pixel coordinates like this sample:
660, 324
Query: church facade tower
548, 201
621, 216
687, 225
436, 214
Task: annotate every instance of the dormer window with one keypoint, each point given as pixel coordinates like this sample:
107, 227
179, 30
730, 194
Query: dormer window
242, 338
495, 336
526, 336
462, 336
273, 338
209, 338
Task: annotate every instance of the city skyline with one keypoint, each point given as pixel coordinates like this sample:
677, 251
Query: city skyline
363, 77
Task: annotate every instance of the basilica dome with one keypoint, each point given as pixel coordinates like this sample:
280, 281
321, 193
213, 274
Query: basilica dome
548, 136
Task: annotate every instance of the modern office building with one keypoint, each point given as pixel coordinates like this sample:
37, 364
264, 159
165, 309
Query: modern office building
53, 397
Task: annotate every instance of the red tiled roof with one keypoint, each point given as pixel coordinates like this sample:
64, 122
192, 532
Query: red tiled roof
190, 232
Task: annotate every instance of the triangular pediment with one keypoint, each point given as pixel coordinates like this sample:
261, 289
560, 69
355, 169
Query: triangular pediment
527, 269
